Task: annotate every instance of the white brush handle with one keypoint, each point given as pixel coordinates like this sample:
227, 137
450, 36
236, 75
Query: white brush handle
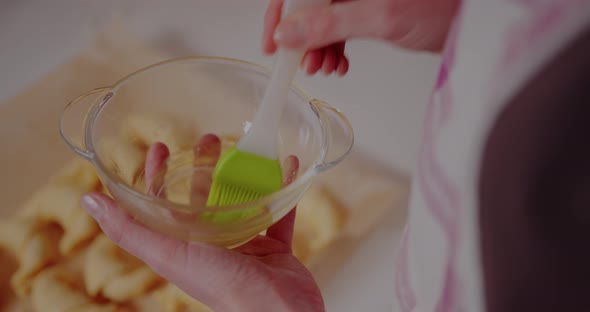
262, 136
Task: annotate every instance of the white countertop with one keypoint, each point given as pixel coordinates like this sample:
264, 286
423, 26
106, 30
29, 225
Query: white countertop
384, 94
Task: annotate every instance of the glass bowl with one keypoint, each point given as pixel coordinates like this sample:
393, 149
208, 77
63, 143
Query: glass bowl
177, 101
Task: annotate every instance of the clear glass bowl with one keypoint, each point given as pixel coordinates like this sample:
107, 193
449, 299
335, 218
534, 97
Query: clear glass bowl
177, 101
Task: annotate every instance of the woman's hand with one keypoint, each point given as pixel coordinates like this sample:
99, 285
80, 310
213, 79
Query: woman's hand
262, 275
322, 31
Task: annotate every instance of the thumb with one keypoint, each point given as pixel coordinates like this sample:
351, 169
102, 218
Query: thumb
321, 26
201, 270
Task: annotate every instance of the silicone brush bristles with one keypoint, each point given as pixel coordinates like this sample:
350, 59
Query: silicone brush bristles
241, 177
228, 195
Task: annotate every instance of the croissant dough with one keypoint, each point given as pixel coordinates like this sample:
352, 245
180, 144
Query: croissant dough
149, 129
56, 290
125, 158
115, 274
59, 202
320, 220
173, 299
34, 244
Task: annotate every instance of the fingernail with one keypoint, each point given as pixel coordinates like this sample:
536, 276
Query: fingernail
340, 70
305, 62
92, 206
290, 34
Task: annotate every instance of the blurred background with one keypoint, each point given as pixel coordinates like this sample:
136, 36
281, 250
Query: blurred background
384, 93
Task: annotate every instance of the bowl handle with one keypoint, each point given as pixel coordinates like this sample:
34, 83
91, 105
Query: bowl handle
72, 122
339, 135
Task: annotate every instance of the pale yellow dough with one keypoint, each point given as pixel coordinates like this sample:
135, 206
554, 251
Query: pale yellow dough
34, 244
151, 129
126, 159
320, 220
59, 202
56, 290
115, 274
174, 299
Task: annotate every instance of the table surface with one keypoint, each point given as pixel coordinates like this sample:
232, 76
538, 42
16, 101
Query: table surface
384, 94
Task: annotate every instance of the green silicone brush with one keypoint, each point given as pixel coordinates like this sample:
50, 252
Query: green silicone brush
251, 169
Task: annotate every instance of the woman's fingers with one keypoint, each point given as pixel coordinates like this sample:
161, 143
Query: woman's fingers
178, 261
290, 169
342, 68
155, 168
326, 59
330, 60
313, 61
319, 27
283, 229
416, 25
271, 20
207, 152
261, 246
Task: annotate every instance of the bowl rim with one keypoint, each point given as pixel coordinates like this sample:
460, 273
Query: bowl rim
301, 180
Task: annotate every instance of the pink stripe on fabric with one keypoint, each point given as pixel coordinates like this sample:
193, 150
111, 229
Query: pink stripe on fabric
440, 194
404, 290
